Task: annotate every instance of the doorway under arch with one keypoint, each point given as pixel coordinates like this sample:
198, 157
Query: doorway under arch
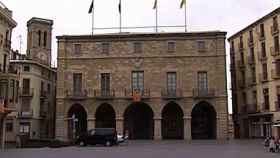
77, 121
105, 116
172, 121
138, 121
203, 122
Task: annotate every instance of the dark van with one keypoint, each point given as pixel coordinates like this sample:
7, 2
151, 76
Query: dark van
104, 136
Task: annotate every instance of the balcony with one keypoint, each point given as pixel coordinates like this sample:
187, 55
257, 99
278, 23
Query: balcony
263, 77
76, 95
251, 60
7, 45
275, 74
252, 108
274, 29
262, 56
171, 94
250, 42
277, 106
274, 52
264, 107
144, 94
240, 64
44, 110
104, 94
26, 92
25, 114
203, 93
43, 94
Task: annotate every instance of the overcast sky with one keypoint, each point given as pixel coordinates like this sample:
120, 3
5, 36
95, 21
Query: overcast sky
71, 16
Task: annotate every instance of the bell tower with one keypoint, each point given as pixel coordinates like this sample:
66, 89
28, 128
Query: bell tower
39, 40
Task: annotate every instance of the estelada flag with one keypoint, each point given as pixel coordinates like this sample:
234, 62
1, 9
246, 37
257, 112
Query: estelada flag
136, 96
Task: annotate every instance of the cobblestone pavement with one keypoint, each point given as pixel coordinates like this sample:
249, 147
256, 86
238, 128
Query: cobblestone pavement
152, 149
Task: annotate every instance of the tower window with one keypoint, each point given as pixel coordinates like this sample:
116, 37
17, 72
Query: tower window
39, 38
45, 38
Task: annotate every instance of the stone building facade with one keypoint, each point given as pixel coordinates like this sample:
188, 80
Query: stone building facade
37, 84
8, 74
146, 85
255, 71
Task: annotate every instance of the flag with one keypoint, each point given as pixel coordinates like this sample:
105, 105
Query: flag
183, 2
155, 4
120, 6
91, 7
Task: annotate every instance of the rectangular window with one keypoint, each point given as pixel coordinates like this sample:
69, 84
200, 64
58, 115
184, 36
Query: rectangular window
243, 78
138, 48
262, 34
241, 42
12, 91
266, 98
202, 83
138, 81
171, 47
26, 86
4, 63
26, 68
276, 43
77, 83
277, 65
244, 96
78, 48
171, 83
263, 49
9, 127
265, 75
105, 48
24, 127
251, 36
49, 88
252, 54
17, 86
42, 87
275, 23
255, 97
105, 84
201, 45
242, 57
253, 74
278, 98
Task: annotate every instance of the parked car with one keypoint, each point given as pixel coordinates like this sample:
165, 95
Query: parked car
104, 136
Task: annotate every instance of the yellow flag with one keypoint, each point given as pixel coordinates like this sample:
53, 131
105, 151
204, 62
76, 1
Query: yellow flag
183, 2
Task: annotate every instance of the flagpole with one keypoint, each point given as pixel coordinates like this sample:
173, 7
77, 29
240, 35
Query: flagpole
120, 11
157, 17
92, 31
185, 17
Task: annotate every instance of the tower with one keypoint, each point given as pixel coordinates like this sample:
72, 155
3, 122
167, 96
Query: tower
39, 39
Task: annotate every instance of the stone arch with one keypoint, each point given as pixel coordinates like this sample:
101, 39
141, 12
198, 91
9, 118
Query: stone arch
77, 120
204, 121
139, 121
172, 125
105, 116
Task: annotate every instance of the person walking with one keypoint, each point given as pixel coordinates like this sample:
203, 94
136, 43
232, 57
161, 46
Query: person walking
266, 142
272, 145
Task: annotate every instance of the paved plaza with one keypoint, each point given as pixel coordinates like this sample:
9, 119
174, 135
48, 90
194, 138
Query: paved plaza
151, 149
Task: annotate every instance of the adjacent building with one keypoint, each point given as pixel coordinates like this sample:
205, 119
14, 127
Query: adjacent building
8, 73
255, 72
37, 85
146, 85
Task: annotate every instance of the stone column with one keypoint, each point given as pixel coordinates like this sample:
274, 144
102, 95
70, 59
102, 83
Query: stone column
187, 128
91, 122
61, 128
119, 125
157, 128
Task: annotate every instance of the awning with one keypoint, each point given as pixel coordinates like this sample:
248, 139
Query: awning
278, 125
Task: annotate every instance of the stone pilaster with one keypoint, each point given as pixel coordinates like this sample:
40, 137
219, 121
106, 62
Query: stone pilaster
119, 125
91, 123
187, 128
157, 128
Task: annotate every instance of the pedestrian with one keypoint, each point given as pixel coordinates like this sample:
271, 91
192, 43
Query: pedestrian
272, 145
277, 145
266, 143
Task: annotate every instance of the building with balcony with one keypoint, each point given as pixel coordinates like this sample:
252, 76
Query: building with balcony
8, 73
37, 83
146, 85
255, 72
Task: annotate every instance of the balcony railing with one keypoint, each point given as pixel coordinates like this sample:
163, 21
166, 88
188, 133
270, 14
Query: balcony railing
7, 45
250, 42
240, 46
104, 94
76, 95
274, 29
264, 107
203, 93
145, 94
262, 56
171, 94
274, 52
275, 74
26, 92
263, 77
25, 114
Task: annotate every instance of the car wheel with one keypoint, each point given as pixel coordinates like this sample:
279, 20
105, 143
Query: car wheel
82, 143
108, 143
